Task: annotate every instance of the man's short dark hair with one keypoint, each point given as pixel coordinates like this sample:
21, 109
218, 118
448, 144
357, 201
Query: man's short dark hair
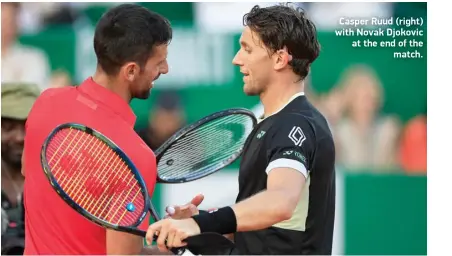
281, 25
129, 32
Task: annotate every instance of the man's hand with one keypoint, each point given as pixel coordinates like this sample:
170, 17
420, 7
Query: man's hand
185, 211
171, 232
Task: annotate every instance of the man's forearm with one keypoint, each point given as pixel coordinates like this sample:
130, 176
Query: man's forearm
263, 210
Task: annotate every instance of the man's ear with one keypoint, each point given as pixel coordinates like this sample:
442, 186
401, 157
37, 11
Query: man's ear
282, 58
130, 71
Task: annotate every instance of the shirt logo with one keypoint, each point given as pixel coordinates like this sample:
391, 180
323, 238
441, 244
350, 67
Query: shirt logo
297, 136
297, 155
260, 134
287, 153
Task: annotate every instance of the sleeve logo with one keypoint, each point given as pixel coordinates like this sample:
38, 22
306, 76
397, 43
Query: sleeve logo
297, 136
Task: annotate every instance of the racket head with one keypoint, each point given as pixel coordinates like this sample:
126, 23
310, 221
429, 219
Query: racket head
95, 165
178, 158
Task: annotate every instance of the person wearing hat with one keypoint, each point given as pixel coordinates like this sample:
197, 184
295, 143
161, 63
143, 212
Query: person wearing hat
17, 100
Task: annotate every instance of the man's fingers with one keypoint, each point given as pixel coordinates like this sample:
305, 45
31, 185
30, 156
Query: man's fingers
150, 236
174, 210
180, 211
161, 241
183, 207
170, 210
197, 200
152, 230
186, 210
178, 239
170, 239
193, 210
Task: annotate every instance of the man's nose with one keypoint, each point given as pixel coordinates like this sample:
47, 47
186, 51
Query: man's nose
237, 61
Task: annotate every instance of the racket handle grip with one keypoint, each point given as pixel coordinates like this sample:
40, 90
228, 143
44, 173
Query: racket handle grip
176, 251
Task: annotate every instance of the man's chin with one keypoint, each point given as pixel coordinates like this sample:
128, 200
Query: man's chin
249, 91
143, 95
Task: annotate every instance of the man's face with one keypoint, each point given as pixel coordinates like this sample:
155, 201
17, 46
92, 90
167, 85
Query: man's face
13, 132
255, 63
155, 66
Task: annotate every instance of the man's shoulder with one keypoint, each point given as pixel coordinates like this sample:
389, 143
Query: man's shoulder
305, 115
51, 99
50, 94
299, 124
292, 117
60, 91
288, 120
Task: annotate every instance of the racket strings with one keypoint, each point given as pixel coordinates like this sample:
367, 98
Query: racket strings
197, 150
223, 140
205, 147
95, 177
198, 153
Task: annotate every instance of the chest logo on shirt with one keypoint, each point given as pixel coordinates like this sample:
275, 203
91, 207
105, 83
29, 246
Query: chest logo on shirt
260, 134
297, 136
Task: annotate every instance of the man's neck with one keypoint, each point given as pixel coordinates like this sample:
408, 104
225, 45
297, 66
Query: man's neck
277, 96
102, 79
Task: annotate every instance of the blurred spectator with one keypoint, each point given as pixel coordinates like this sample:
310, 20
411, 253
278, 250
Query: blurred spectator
413, 148
59, 79
332, 105
17, 100
61, 13
35, 16
20, 63
365, 138
164, 121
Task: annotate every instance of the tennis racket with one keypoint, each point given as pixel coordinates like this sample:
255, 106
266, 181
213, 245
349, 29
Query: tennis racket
97, 179
204, 147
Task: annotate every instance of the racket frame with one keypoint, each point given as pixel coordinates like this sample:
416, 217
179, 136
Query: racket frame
147, 204
185, 130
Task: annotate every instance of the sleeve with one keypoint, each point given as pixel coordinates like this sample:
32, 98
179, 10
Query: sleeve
291, 144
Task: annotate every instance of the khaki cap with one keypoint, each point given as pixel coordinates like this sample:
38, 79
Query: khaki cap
18, 99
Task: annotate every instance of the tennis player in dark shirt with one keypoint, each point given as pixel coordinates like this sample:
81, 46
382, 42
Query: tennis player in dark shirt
286, 199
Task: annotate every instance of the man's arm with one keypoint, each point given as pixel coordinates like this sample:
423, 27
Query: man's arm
290, 146
276, 204
119, 243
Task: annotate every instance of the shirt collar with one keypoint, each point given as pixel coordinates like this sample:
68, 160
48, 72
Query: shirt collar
108, 98
296, 95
